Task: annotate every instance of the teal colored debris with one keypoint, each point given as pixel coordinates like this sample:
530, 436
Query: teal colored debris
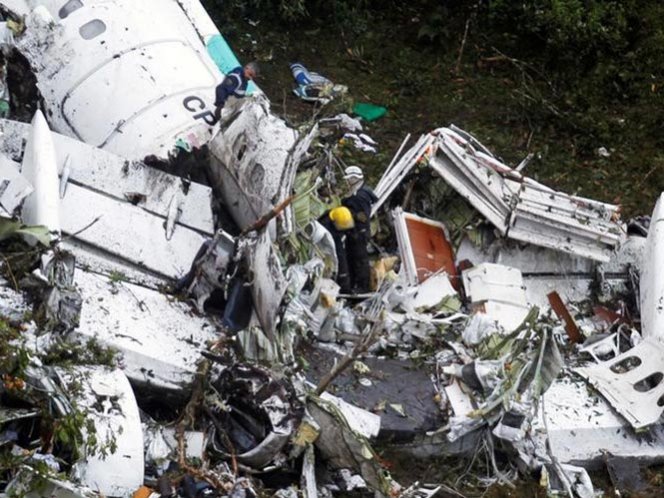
369, 112
223, 56
180, 143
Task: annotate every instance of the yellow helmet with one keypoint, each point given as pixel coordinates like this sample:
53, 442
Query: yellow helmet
342, 218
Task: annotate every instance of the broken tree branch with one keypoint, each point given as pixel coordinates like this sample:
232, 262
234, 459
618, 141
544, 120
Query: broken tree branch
11, 273
457, 68
72, 235
262, 222
265, 219
359, 348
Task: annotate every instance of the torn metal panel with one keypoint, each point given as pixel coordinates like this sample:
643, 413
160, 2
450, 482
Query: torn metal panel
107, 399
342, 448
545, 270
31, 484
652, 276
521, 208
460, 402
18, 7
489, 281
396, 172
40, 169
498, 292
161, 445
361, 421
153, 81
127, 232
423, 246
119, 178
13, 185
159, 339
632, 382
435, 294
268, 282
563, 313
582, 428
249, 160
530, 259
454, 160
605, 348
126, 237
255, 414
308, 480
211, 262
296, 155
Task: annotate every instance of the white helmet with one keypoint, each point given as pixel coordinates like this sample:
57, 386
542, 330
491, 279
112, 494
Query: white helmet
353, 173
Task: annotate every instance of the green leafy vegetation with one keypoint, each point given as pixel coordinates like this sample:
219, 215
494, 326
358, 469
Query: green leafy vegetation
564, 79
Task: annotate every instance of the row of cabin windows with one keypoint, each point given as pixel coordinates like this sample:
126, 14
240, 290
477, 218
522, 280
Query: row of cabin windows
90, 29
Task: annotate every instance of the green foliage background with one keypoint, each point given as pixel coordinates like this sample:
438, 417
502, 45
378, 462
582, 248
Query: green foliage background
560, 78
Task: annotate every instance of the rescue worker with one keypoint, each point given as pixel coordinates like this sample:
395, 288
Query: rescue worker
359, 202
234, 84
339, 222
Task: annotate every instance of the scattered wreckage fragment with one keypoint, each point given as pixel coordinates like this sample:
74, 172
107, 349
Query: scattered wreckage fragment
581, 428
99, 429
254, 415
652, 276
517, 206
424, 247
163, 77
114, 467
40, 169
14, 188
632, 382
129, 205
498, 292
249, 162
159, 340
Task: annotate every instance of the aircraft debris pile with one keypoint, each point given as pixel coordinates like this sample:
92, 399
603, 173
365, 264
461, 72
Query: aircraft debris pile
147, 350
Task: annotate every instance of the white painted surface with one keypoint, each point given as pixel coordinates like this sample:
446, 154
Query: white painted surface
361, 421
116, 176
19, 7
528, 258
159, 338
497, 291
128, 232
13, 186
652, 276
582, 427
432, 291
489, 281
99, 185
109, 402
639, 400
125, 89
521, 208
249, 160
40, 169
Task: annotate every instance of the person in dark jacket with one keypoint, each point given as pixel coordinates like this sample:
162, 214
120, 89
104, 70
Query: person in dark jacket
234, 84
339, 222
359, 202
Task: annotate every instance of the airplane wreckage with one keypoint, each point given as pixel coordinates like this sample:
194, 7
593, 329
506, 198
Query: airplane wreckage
512, 326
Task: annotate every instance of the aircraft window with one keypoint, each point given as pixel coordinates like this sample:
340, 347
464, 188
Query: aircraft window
69, 7
92, 29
